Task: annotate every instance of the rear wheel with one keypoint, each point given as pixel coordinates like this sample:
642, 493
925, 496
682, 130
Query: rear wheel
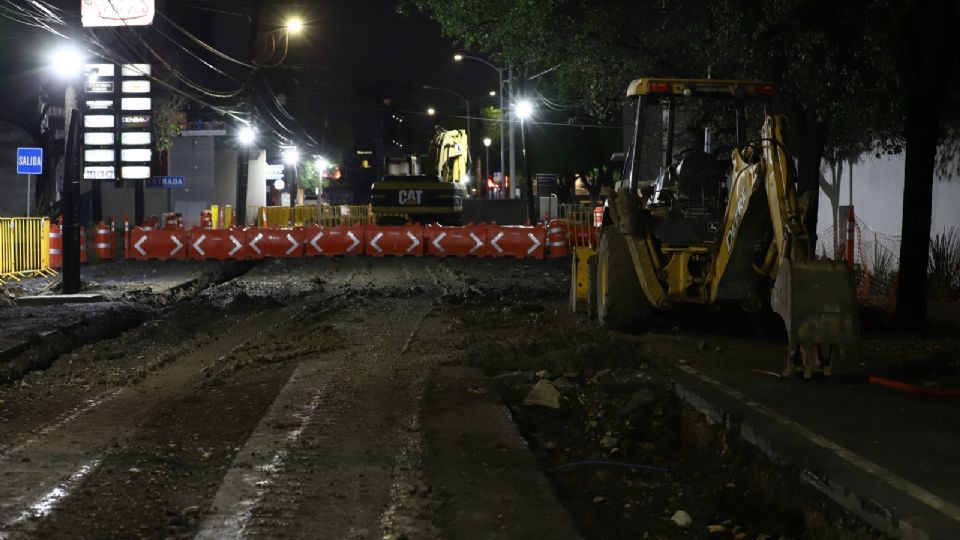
621, 304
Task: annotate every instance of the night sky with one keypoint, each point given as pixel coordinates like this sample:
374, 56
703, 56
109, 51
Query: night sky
352, 54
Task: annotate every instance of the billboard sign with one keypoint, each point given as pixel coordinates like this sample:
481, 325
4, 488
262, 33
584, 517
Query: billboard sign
116, 12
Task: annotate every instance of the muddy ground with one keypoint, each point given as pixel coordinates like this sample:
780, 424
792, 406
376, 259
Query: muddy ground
299, 399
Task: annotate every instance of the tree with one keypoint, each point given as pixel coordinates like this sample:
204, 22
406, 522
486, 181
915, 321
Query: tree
926, 45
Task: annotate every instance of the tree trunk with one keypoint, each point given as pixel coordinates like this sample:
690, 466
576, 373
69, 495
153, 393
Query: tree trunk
926, 65
921, 149
810, 138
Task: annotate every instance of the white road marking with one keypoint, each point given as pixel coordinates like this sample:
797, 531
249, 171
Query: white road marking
262, 456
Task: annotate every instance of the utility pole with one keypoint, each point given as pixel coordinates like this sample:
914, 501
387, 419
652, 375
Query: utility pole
71, 206
509, 120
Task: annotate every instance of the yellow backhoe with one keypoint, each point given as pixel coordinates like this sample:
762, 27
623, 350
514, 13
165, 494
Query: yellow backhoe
716, 226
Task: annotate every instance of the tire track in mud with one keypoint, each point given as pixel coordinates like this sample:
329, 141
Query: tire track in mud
311, 468
49, 462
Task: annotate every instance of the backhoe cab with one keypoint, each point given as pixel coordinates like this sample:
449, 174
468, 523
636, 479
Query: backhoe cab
714, 223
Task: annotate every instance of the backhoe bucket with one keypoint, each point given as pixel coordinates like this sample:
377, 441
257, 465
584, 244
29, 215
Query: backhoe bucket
816, 301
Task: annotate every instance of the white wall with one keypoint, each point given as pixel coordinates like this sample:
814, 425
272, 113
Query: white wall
878, 194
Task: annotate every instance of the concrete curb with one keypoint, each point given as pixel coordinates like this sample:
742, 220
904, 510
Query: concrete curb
891, 505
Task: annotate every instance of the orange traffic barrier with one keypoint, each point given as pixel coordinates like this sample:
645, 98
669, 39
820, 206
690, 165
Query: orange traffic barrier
219, 245
557, 242
56, 246
266, 242
522, 242
333, 241
103, 241
158, 245
172, 220
465, 241
400, 241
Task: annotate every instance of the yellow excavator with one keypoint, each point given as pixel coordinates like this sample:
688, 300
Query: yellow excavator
715, 226
405, 194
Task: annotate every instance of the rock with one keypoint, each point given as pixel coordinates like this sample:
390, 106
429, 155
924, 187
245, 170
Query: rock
682, 519
190, 510
609, 442
716, 529
544, 394
641, 398
702, 345
544, 374
599, 500
718, 349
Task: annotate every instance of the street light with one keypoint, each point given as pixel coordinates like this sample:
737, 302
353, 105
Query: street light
295, 25
503, 113
492, 93
524, 109
66, 62
322, 163
247, 136
291, 156
466, 103
486, 146
431, 111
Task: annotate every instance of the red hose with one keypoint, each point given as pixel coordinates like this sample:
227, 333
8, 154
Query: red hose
912, 388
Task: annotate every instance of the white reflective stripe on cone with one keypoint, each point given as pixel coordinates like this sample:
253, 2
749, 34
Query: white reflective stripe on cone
54, 251
101, 246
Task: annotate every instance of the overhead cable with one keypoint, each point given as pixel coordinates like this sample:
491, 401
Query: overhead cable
200, 42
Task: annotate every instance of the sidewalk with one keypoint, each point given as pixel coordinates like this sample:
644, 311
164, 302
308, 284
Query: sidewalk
891, 458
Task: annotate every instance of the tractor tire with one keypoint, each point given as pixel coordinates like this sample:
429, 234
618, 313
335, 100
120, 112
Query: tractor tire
621, 304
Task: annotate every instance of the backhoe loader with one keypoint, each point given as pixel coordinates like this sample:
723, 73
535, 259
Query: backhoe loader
717, 226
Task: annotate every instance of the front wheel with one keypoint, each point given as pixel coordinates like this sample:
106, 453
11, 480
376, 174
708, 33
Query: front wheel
621, 304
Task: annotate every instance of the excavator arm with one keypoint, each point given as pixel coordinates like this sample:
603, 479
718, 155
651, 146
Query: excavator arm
814, 297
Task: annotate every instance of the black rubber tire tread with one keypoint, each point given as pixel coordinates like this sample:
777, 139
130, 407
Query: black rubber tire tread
622, 306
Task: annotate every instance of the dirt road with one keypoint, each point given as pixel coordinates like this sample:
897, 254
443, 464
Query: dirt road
294, 400
373, 398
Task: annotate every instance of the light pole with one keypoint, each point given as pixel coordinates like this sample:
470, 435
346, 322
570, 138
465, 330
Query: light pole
68, 63
247, 136
466, 103
291, 156
524, 110
486, 147
504, 114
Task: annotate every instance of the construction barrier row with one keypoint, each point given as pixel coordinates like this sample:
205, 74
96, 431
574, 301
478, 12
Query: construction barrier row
168, 240
414, 240
24, 248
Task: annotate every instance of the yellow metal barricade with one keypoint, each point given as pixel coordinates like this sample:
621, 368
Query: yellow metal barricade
24, 248
328, 216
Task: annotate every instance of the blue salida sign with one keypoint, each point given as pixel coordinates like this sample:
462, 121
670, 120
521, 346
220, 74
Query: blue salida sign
29, 160
166, 181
